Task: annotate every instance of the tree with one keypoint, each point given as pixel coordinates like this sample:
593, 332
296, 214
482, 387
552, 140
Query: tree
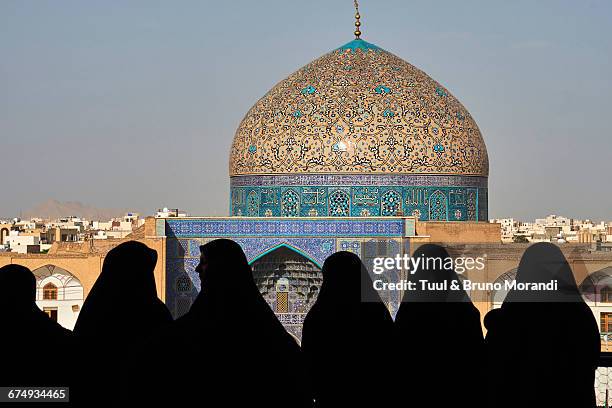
520, 239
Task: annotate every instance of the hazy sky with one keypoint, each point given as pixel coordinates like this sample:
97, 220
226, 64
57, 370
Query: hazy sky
134, 104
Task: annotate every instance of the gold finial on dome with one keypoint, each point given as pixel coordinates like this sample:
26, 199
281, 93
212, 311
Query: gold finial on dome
357, 22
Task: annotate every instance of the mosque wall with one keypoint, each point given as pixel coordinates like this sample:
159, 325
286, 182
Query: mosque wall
459, 232
317, 238
86, 267
314, 239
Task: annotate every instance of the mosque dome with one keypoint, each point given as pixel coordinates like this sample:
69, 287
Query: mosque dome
353, 125
358, 110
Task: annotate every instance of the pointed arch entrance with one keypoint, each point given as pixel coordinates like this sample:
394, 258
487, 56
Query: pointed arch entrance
289, 280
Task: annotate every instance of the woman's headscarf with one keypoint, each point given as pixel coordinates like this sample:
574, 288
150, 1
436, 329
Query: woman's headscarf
24, 329
435, 267
20, 289
543, 263
347, 292
439, 329
536, 310
544, 342
124, 298
343, 334
228, 289
235, 332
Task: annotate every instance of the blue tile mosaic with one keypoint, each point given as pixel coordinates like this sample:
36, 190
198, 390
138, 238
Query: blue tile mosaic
427, 203
281, 227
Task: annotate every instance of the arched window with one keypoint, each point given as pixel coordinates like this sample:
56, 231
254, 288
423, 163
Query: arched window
50, 292
183, 284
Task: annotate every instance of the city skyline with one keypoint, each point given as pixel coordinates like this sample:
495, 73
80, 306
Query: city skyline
92, 213
127, 106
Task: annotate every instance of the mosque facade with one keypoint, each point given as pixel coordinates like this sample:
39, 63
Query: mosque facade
355, 151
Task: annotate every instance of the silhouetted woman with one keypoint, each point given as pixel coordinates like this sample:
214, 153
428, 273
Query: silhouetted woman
348, 338
543, 345
120, 313
441, 341
237, 352
34, 350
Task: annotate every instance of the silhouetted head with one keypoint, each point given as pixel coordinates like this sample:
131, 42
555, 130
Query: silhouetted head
543, 263
346, 281
341, 273
18, 287
124, 297
435, 266
228, 290
129, 268
223, 261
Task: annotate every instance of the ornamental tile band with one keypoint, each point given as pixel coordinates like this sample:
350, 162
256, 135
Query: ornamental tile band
252, 228
360, 180
426, 203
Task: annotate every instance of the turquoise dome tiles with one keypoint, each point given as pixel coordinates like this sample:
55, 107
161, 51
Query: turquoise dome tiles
358, 44
428, 198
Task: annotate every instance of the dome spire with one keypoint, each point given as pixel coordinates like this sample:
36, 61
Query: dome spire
357, 22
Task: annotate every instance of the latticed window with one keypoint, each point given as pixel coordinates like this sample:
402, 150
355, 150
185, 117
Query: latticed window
50, 292
183, 284
606, 322
282, 302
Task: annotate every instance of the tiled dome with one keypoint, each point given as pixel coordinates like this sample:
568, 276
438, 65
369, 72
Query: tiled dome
357, 133
360, 110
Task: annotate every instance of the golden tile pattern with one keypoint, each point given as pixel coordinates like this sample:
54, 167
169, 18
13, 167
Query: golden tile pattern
358, 109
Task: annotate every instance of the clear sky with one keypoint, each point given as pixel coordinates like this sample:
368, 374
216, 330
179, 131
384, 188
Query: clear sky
134, 104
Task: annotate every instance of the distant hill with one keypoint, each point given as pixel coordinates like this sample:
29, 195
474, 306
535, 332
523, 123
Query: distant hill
52, 209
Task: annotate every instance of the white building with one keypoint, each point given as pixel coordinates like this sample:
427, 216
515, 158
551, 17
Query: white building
555, 228
59, 294
170, 213
554, 221
508, 228
22, 244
